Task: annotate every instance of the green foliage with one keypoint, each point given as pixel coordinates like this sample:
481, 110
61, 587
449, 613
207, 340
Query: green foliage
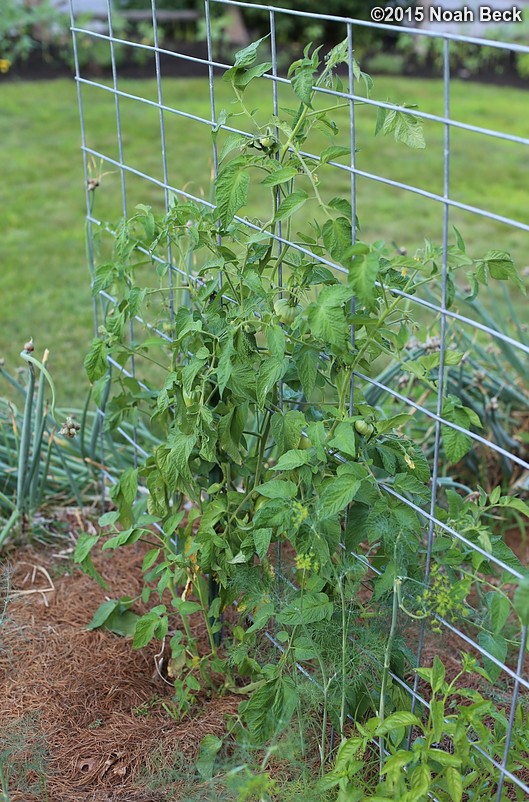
292, 29
26, 27
522, 65
447, 758
53, 187
33, 456
403, 126
232, 773
41, 29
259, 428
48, 456
23, 758
467, 59
485, 388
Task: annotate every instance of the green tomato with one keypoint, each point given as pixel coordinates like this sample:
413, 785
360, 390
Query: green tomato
267, 141
258, 503
363, 427
304, 442
191, 398
286, 311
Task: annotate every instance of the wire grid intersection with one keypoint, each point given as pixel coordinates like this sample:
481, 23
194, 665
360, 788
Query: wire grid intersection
128, 172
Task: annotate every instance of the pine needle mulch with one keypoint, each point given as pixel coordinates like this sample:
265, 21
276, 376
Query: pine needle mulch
80, 712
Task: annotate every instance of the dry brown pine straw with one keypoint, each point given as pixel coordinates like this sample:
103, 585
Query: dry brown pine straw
80, 693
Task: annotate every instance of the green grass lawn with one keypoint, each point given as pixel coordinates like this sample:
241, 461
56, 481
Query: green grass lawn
45, 282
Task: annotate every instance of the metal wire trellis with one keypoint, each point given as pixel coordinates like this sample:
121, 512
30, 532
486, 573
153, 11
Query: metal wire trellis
166, 110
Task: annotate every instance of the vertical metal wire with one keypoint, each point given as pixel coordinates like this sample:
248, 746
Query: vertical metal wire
442, 344
512, 715
211, 79
352, 145
117, 107
215, 475
273, 53
275, 100
164, 150
89, 234
88, 195
119, 132
163, 145
213, 112
519, 681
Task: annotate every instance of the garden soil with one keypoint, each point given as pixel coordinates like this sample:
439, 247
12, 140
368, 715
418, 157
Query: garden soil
81, 716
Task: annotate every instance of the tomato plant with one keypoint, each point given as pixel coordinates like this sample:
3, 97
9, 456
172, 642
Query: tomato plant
254, 394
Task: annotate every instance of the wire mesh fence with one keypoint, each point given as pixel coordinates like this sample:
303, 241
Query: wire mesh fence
175, 119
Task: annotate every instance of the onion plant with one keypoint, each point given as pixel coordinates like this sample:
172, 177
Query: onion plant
43, 461
487, 378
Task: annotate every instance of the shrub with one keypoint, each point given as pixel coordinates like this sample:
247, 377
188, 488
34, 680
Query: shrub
26, 28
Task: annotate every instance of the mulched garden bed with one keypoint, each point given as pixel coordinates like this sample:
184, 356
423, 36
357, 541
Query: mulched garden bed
53, 64
81, 714
39, 67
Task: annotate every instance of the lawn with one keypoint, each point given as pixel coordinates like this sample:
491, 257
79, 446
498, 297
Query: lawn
45, 283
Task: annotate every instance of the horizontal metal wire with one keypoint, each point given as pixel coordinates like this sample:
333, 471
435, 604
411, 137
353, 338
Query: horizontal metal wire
453, 37
433, 415
132, 441
420, 698
146, 101
140, 46
440, 620
447, 202
475, 547
448, 625
307, 252
189, 276
388, 489
484, 652
465, 207
363, 99
405, 399
159, 332
346, 167
410, 690
451, 531
413, 112
501, 768
127, 373
109, 477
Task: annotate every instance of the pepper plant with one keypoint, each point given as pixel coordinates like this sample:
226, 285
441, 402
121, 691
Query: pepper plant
268, 509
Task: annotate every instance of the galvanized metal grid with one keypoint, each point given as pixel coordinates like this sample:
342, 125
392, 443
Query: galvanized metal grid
126, 171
